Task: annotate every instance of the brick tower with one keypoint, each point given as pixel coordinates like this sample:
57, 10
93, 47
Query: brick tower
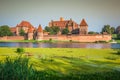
39, 33
30, 34
83, 27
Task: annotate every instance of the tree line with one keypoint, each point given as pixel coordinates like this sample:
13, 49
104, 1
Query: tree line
5, 31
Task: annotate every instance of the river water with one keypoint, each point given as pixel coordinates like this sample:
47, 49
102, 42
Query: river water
59, 45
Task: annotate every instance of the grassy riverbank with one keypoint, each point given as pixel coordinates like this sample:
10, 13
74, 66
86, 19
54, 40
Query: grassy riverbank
70, 63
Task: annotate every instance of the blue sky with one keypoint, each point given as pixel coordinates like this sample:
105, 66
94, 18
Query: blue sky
96, 12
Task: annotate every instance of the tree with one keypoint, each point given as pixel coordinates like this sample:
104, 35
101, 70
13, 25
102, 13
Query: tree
5, 31
48, 29
52, 30
112, 30
22, 32
108, 29
118, 30
65, 31
55, 29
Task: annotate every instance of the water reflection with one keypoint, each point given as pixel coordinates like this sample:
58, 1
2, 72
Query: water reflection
59, 45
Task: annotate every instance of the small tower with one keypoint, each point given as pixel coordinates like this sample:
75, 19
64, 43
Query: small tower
30, 34
61, 19
83, 27
39, 33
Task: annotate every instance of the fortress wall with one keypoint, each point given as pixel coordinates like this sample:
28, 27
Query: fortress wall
12, 38
80, 38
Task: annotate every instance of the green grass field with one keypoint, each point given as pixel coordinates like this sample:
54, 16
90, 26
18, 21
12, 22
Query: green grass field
67, 61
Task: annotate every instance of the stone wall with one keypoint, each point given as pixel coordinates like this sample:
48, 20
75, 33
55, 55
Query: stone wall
12, 38
80, 38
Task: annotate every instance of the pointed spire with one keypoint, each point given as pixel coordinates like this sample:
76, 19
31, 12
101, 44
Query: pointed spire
83, 23
39, 29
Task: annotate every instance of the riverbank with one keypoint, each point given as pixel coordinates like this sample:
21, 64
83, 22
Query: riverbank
61, 62
66, 63
52, 41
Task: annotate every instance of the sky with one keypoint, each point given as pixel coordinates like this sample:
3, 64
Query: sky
97, 13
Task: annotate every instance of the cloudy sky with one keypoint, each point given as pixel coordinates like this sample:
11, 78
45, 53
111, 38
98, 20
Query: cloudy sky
96, 12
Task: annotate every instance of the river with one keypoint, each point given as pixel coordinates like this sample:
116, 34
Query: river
59, 45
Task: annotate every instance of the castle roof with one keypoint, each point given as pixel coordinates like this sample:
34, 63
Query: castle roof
39, 29
30, 30
25, 24
83, 23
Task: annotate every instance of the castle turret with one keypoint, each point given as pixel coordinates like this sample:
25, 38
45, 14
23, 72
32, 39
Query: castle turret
61, 19
83, 27
39, 33
30, 34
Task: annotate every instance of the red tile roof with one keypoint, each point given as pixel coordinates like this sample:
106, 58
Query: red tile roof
30, 30
25, 24
39, 29
83, 23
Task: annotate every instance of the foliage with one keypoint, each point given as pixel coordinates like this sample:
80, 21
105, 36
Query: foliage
100, 42
53, 30
92, 32
48, 29
17, 69
65, 31
108, 29
118, 30
118, 36
5, 31
112, 57
118, 51
20, 50
22, 32
60, 64
112, 30
114, 36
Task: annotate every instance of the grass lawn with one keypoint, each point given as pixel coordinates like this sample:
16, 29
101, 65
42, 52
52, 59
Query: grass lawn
68, 60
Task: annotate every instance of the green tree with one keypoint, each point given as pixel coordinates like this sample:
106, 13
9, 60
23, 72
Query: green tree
118, 30
5, 31
55, 29
108, 29
52, 30
22, 32
65, 31
112, 30
48, 29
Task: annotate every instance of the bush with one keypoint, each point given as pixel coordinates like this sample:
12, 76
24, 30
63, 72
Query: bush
17, 69
50, 39
100, 42
20, 50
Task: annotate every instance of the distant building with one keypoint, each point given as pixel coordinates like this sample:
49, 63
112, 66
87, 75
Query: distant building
72, 26
81, 31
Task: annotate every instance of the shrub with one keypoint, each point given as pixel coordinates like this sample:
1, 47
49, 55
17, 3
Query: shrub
50, 39
20, 50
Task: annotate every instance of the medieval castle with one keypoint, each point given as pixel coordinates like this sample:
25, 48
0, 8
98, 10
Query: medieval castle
78, 32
